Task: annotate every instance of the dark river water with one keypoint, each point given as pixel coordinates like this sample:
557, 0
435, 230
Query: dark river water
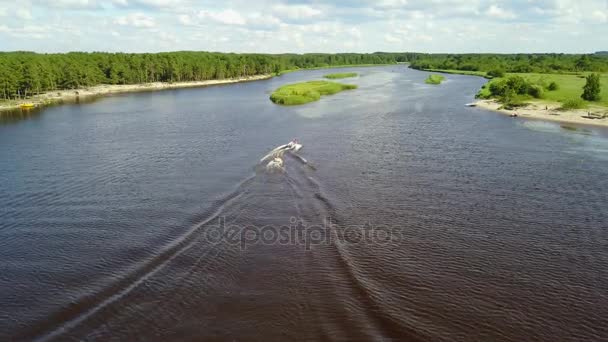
142, 216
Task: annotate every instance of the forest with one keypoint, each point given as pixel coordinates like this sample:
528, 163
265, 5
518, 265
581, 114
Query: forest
27, 73
513, 63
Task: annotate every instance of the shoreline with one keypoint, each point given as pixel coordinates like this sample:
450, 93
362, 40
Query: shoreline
538, 111
59, 96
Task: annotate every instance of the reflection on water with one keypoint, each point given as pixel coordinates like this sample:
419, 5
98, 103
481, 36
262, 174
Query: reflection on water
13, 116
497, 225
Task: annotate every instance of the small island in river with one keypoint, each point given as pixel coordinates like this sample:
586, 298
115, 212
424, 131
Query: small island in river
304, 92
434, 79
341, 75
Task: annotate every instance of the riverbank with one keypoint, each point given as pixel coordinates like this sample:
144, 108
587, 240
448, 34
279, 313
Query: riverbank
551, 112
59, 96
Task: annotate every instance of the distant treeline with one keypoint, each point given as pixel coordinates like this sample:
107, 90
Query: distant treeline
540, 63
27, 73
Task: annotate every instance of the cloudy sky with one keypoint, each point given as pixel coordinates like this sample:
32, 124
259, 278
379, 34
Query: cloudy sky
304, 26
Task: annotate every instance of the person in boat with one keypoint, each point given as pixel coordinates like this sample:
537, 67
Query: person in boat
276, 163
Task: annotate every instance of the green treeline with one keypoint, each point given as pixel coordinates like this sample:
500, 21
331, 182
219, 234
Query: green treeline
515, 63
26, 73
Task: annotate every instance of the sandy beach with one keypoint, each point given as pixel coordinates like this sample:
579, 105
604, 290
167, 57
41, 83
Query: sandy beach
106, 89
550, 112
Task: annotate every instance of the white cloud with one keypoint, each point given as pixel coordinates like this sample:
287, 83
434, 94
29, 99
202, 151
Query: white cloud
354, 32
277, 26
28, 31
23, 14
70, 4
150, 3
391, 3
227, 17
136, 20
497, 12
185, 19
263, 20
392, 39
296, 12
599, 16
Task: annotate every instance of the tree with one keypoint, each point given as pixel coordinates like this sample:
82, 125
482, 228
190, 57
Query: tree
553, 86
496, 73
591, 90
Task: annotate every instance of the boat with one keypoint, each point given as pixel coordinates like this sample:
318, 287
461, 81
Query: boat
472, 104
27, 105
292, 146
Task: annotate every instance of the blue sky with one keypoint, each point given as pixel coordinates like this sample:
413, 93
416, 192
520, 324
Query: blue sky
274, 26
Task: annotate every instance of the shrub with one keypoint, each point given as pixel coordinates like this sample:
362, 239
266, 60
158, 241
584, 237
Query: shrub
496, 73
535, 91
573, 104
513, 102
516, 84
553, 86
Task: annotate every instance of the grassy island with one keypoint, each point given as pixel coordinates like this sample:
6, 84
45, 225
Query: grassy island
341, 75
434, 79
304, 92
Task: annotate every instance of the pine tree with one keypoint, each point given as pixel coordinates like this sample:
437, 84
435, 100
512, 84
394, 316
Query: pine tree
591, 90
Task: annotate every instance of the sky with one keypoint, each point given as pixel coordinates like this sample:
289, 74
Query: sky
278, 26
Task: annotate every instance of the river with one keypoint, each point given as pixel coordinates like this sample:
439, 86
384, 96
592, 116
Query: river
142, 216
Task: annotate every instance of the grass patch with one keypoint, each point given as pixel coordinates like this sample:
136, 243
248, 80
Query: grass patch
434, 79
341, 75
561, 88
304, 92
573, 104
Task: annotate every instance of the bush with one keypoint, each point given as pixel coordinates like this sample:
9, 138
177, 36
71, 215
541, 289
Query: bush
496, 73
515, 84
553, 86
591, 90
573, 104
513, 102
535, 91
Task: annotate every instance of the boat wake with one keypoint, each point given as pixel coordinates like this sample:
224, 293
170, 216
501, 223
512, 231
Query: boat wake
209, 256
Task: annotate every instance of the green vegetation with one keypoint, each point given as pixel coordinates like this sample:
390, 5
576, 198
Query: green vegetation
496, 73
341, 75
573, 104
513, 63
434, 79
591, 90
548, 87
26, 73
304, 92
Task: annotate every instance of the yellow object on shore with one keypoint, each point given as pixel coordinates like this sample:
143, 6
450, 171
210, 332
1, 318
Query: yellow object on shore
26, 105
